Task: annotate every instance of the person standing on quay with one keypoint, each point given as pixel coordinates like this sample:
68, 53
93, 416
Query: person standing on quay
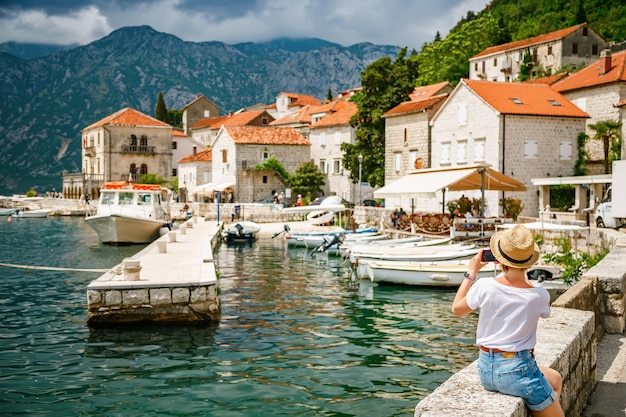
510, 307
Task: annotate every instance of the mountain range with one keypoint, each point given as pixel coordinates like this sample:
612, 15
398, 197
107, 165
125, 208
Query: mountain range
50, 94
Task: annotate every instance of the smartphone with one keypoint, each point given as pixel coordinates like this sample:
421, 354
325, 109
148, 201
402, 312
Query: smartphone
487, 256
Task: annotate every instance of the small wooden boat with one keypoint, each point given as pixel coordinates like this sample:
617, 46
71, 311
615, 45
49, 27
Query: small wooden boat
39, 213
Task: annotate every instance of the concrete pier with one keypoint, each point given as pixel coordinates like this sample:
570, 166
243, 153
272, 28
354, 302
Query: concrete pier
172, 280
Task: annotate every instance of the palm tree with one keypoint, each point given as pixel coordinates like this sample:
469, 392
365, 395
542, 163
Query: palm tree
608, 131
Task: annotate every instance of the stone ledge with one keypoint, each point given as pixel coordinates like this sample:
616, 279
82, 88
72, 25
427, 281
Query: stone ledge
566, 343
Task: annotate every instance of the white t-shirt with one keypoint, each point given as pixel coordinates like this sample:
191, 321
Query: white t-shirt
508, 315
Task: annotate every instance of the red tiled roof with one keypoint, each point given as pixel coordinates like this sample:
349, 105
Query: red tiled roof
301, 116
559, 34
179, 133
428, 91
549, 80
265, 135
301, 99
524, 99
592, 75
339, 117
128, 117
237, 119
415, 106
205, 155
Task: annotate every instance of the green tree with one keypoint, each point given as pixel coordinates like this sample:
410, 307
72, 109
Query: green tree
160, 111
385, 85
151, 179
175, 118
580, 167
329, 95
272, 163
608, 131
307, 180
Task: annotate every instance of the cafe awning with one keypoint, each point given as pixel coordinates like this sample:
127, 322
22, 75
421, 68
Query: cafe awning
424, 183
212, 186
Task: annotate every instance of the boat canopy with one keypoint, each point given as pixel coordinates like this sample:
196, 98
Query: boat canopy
123, 185
424, 183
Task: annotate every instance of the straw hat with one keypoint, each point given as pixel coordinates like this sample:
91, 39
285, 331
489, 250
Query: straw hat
515, 247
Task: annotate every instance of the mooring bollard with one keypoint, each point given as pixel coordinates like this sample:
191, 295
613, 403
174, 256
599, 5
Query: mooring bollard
182, 229
131, 268
195, 219
161, 246
172, 236
190, 224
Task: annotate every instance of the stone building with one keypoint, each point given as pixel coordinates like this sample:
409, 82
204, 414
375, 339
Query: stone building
574, 46
238, 149
522, 130
330, 129
287, 103
599, 90
205, 130
198, 109
182, 146
407, 130
122, 146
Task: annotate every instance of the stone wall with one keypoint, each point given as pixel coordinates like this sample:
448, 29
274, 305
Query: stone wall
566, 343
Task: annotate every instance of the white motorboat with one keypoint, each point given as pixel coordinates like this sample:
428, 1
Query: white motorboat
447, 274
457, 251
131, 213
314, 239
32, 214
243, 231
414, 241
6, 211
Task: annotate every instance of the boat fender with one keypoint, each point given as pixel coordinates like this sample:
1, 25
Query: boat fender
440, 277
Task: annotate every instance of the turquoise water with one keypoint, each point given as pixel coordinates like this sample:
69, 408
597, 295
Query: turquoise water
297, 337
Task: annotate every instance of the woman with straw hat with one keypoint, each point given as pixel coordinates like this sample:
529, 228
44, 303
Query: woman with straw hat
510, 307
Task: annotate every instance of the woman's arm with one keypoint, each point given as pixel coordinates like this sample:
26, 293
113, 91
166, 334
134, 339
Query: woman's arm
459, 305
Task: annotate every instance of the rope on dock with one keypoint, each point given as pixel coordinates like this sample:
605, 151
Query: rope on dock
53, 268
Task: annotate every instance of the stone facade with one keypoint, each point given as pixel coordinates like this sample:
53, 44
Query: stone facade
576, 46
198, 109
520, 146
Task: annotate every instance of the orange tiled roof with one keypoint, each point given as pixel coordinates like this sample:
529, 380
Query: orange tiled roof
552, 36
265, 135
301, 116
337, 118
237, 119
592, 75
524, 99
301, 99
179, 133
549, 80
415, 106
128, 117
427, 91
205, 155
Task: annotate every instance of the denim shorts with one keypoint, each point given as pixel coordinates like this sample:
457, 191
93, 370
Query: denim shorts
518, 376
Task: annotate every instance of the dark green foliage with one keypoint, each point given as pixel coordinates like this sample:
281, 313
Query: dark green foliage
160, 113
386, 84
329, 95
151, 179
272, 163
608, 131
175, 118
307, 180
580, 168
574, 263
562, 196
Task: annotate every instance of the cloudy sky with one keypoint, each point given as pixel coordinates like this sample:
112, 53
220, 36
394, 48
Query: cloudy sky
390, 22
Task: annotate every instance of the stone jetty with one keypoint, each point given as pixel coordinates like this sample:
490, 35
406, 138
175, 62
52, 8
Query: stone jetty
172, 280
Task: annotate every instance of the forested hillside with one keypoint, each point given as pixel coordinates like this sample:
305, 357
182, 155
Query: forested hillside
511, 20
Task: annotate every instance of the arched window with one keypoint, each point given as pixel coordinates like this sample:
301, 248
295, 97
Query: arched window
133, 140
132, 173
144, 169
143, 141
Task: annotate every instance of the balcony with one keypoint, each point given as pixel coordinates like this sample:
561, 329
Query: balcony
138, 149
90, 151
